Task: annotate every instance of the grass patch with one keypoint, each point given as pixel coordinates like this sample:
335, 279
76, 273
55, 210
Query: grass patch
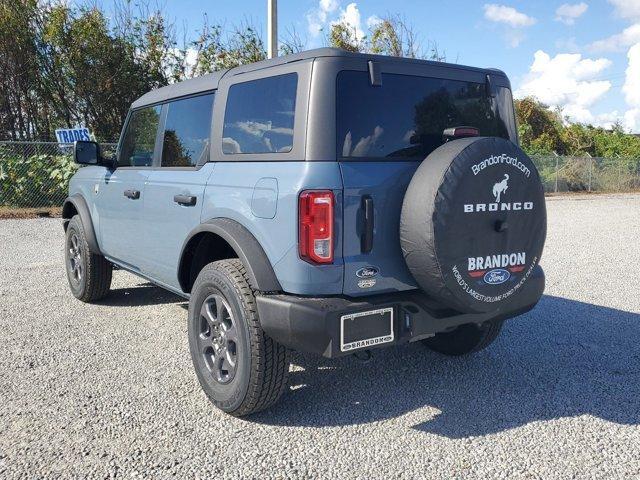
12, 212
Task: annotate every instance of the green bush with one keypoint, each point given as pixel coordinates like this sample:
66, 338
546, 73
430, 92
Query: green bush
34, 181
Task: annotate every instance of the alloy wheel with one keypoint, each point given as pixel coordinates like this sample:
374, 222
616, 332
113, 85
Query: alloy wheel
218, 338
76, 264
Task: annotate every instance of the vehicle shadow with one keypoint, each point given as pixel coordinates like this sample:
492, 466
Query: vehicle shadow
141, 294
565, 358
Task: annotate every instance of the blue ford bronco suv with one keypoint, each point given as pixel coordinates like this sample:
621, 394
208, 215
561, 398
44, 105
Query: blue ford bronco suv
327, 202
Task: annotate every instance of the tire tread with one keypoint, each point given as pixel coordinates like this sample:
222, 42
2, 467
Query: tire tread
98, 271
269, 360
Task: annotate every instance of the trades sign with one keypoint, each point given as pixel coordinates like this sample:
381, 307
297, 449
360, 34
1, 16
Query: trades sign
70, 135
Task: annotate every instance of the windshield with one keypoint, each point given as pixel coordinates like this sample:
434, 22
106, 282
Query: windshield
406, 116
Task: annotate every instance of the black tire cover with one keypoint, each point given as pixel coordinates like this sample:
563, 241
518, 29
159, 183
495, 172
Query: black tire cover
473, 223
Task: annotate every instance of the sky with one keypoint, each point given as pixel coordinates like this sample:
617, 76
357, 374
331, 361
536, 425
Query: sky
581, 56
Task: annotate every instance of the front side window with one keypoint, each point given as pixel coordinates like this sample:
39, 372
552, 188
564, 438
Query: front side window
186, 132
140, 138
407, 115
259, 116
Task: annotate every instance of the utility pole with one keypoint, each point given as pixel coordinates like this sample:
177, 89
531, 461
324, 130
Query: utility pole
272, 28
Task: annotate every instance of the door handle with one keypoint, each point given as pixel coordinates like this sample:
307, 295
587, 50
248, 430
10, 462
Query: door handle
132, 194
186, 200
366, 241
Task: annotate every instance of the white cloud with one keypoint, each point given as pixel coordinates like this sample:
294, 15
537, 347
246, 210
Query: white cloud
373, 21
567, 13
619, 41
567, 81
191, 58
314, 25
631, 120
507, 15
317, 18
329, 5
351, 16
606, 120
512, 20
629, 9
631, 88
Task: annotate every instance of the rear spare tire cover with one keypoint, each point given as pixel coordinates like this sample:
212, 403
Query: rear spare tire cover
473, 223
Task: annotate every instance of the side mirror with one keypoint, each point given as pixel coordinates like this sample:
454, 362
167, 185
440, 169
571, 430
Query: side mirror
86, 153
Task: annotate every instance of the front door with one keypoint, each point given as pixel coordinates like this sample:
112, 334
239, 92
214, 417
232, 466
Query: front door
120, 196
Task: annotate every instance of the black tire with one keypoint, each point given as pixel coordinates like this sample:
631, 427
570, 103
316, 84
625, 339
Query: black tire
89, 274
239, 367
465, 339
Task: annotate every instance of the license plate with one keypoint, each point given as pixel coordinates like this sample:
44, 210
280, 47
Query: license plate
366, 329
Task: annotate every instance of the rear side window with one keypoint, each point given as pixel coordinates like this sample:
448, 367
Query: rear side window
259, 116
406, 116
186, 132
140, 138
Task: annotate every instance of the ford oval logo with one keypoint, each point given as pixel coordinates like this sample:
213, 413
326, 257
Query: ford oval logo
497, 276
367, 272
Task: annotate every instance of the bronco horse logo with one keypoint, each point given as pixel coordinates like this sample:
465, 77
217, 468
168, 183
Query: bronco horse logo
500, 188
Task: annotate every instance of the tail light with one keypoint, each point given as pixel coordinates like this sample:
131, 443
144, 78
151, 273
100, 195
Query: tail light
315, 210
460, 132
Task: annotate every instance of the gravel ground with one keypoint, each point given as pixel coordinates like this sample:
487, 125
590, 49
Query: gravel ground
108, 390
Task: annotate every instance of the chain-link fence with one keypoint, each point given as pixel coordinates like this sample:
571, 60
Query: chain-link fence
588, 174
36, 174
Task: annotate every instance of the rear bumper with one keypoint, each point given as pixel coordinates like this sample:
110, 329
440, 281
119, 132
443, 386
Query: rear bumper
313, 324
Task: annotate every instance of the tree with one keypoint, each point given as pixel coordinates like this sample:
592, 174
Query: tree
22, 116
539, 128
543, 131
97, 75
244, 45
578, 139
61, 66
291, 42
345, 37
392, 36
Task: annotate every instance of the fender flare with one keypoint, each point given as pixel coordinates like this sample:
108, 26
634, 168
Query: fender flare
261, 274
80, 205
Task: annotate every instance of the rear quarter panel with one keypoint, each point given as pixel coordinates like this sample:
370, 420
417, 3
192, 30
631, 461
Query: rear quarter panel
242, 188
231, 193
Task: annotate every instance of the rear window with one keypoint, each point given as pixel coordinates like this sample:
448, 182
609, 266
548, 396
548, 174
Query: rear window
406, 116
186, 132
259, 117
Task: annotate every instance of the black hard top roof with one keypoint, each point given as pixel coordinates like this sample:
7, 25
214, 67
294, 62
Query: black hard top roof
211, 80
180, 89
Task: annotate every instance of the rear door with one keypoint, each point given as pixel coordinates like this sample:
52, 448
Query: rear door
383, 133
120, 197
174, 191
